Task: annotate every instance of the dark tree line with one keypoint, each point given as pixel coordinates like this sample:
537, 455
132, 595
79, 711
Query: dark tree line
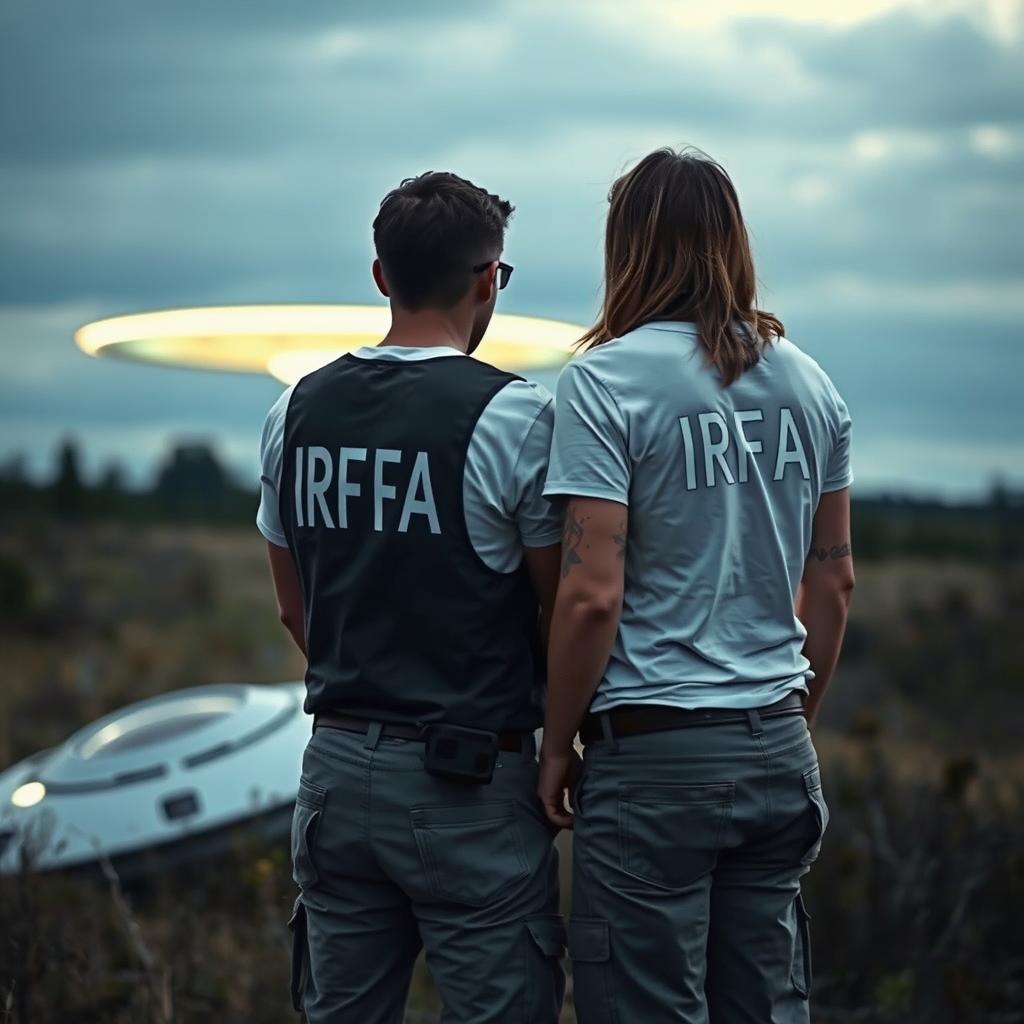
192, 485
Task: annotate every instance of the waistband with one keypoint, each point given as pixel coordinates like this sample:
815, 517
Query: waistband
511, 742
634, 719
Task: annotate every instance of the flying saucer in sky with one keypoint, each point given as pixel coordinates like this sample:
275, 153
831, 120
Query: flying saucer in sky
288, 341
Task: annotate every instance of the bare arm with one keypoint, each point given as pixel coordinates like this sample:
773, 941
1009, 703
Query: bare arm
583, 629
289, 593
542, 564
824, 597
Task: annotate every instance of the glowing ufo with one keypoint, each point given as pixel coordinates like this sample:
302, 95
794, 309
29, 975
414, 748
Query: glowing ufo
289, 341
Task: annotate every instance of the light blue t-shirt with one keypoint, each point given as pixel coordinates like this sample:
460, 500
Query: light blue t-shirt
502, 482
722, 485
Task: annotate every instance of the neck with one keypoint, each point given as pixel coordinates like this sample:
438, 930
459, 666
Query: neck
429, 328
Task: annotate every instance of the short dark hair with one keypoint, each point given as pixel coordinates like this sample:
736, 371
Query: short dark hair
429, 234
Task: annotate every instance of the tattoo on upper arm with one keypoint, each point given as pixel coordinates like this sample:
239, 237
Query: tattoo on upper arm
572, 538
620, 539
835, 552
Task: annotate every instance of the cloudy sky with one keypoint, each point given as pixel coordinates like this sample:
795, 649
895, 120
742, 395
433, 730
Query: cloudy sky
197, 152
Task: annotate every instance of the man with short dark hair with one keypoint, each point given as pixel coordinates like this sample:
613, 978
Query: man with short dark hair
414, 560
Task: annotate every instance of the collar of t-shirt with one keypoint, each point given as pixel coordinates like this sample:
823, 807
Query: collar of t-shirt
405, 353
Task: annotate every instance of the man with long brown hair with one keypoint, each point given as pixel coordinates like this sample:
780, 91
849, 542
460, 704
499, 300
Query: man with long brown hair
706, 571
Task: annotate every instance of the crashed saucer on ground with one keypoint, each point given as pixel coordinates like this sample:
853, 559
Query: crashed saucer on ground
173, 776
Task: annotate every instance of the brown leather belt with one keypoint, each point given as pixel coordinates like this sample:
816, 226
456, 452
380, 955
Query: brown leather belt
508, 741
633, 719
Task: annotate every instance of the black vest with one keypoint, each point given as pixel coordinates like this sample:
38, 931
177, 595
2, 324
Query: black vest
404, 622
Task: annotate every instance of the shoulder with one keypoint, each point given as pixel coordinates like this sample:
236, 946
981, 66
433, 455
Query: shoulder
513, 411
785, 351
816, 380
616, 366
280, 406
273, 425
522, 398
604, 360
512, 433
509, 447
782, 348
597, 375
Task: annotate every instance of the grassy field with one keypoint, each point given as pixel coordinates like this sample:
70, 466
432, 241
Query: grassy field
916, 899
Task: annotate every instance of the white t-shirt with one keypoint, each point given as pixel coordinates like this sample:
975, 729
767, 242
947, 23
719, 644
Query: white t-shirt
721, 484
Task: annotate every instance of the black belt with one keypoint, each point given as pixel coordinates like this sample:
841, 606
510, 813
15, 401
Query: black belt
508, 741
632, 719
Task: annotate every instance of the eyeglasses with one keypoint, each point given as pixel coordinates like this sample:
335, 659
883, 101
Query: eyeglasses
504, 271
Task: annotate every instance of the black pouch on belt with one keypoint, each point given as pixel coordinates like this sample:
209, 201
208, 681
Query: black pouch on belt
464, 755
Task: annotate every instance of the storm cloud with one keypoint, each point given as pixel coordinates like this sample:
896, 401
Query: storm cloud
157, 155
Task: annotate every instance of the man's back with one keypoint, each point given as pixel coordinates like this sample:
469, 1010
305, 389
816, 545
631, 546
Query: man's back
722, 484
399, 504
465, 449
412, 553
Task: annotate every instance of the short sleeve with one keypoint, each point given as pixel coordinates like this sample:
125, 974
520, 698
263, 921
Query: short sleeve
538, 521
838, 472
504, 477
589, 448
268, 517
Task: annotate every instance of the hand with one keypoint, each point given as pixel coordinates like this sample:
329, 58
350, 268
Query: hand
559, 773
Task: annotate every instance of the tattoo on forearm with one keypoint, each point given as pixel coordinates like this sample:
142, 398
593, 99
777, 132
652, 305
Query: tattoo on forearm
835, 552
572, 538
620, 539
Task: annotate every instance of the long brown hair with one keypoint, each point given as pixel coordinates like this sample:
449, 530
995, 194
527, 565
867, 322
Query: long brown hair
676, 248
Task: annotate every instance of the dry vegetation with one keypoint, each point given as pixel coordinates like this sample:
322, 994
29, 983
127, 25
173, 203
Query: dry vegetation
917, 897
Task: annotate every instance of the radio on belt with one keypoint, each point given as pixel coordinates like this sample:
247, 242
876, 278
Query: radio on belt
455, 752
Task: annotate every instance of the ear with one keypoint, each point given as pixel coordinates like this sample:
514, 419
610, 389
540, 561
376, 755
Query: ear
378, 279
485, 283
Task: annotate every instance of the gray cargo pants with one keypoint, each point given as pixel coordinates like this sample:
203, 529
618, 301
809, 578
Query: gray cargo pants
389, 859
688, 851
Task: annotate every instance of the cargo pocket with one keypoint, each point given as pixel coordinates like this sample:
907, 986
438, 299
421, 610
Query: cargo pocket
545, 943
590, 952
470, 853
300, 954
812, 784
305, 819
670, 835
801, 969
